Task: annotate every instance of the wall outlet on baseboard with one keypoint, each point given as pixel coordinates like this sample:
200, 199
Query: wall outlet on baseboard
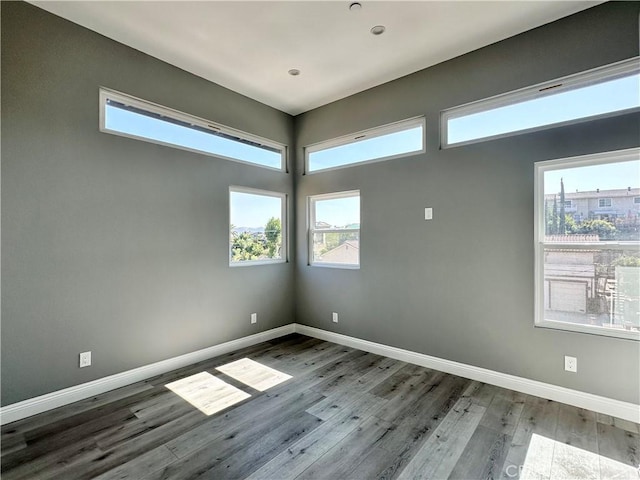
334, 317
85, 359
254, 318
571, 364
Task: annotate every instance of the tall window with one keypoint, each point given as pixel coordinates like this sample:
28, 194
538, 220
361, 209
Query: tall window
588, 257
608, 90
377, 144
257, 229
127, 116
334, 229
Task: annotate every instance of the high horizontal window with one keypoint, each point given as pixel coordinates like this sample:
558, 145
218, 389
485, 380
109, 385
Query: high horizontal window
257, 226
600, 92
374, 145
334, 230
131, 117
588, 253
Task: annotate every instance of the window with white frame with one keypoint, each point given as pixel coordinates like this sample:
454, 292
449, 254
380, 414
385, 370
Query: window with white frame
588, 263
377, 144
132, 117
604, 202
334, 229
608, 90
257, 226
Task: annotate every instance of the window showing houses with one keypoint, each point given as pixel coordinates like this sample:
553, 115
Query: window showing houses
377, 144
588, 250
608, 90
257, 227
334, 230
127, 116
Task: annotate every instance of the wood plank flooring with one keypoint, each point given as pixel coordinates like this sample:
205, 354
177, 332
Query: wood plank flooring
343, 414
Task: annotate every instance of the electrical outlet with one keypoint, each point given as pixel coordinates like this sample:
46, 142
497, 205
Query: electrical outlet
85, 359
334, 317
254, 318
571, 364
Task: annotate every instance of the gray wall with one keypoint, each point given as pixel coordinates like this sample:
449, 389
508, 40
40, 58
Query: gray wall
461, 286
119, 246
110, 244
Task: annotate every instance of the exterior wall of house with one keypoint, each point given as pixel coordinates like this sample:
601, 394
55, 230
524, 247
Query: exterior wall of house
461, 286
622, 205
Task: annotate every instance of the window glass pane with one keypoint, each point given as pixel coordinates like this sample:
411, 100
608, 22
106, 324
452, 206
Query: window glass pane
337, 247
153, 126
602, 98
373, 148
338, 212
256, 228
597, 287
336, 232
589, 246
595, 202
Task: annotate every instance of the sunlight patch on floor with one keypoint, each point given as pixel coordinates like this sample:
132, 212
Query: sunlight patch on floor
207, 393
254, 374
547, 458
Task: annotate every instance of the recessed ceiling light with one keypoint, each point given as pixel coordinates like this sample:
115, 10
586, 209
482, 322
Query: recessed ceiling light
378, 30
294, 72
355, 6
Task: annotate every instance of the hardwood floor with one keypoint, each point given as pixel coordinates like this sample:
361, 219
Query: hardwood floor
343, 414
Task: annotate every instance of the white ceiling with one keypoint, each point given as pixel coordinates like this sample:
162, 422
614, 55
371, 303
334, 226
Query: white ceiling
249, 46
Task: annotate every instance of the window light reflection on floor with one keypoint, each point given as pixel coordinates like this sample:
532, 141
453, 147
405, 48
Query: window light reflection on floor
254, 374
207, 393
548, 458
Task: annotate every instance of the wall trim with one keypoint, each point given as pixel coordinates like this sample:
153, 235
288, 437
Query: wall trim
596, 403
49, 401
59, 398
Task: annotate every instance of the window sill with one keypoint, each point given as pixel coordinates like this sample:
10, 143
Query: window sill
589, 329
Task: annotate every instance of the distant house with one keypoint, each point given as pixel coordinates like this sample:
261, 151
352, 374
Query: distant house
347, 253
319, 239
621, 204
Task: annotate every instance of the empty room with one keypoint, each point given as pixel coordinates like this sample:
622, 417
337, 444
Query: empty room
320, 240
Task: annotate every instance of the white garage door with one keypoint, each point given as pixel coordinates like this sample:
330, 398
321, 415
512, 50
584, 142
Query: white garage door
568, 296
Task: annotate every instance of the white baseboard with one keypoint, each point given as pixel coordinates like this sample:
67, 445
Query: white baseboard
49, 401
608, 406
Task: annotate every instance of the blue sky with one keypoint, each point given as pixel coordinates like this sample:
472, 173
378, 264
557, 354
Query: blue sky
249, 210
605, 177
377, 147
143, 126
338, 212
614, 95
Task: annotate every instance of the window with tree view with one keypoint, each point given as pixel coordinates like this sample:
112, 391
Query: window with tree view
588, 244
257, 226
334, 229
